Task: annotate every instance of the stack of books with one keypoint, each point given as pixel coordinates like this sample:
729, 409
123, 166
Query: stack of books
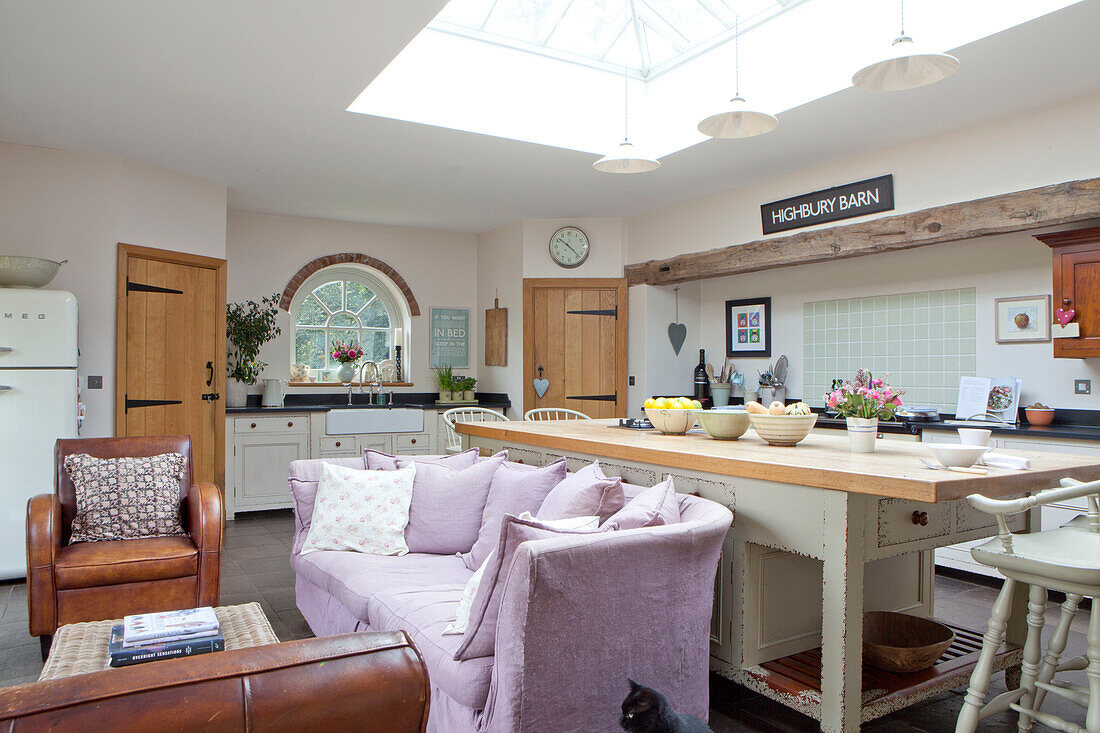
150, 636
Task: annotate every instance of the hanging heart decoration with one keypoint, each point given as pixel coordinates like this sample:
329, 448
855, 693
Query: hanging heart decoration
1064, 315
540, 384
677, 331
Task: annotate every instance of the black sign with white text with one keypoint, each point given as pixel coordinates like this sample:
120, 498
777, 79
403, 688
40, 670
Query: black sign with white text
832, 204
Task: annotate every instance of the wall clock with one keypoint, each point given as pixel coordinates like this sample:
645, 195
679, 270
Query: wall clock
569, 247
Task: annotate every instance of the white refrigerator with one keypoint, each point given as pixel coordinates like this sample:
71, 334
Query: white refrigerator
38, 405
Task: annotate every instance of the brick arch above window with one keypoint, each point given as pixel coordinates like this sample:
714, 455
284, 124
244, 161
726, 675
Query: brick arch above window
341, 259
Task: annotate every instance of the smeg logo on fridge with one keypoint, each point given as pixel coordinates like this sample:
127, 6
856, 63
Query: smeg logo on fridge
24, 316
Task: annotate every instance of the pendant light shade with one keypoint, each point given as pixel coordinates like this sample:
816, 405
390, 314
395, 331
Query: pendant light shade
739, 120
626, 160
907, 66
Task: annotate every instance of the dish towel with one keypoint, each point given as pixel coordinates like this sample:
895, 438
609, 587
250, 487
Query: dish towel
1017, 462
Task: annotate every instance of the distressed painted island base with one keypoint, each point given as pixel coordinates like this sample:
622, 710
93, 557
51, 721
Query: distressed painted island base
802, 562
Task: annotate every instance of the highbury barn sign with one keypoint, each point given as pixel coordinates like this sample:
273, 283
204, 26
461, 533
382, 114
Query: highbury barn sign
832, 204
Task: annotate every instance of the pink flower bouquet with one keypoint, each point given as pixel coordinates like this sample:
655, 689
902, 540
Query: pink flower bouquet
346, 353
866, 397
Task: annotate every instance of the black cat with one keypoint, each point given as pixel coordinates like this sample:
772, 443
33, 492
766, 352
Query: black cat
648, 711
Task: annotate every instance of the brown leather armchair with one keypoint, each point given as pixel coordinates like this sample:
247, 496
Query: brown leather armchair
369, 683
92, 581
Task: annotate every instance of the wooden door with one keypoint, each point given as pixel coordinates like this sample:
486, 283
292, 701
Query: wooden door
170, 351
575, 330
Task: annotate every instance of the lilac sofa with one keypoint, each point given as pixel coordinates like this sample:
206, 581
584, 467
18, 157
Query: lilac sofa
580, 614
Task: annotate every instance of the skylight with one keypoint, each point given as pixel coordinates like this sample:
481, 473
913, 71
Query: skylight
647, 36
551, 71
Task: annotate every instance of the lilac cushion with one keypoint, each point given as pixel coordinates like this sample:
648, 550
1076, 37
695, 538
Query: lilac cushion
377, 461
653, 507
480, 637
585, 493
447, 505
515, 489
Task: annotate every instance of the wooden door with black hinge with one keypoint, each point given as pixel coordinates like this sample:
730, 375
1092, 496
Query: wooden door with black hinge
170, 352
574, 329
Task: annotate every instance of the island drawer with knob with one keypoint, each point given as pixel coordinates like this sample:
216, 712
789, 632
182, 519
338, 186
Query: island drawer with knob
412, 443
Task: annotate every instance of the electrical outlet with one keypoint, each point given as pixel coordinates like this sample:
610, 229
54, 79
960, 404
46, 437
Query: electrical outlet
630, 381
95, 382
1082, 386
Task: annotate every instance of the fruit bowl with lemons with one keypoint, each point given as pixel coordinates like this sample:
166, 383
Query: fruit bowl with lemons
672, 415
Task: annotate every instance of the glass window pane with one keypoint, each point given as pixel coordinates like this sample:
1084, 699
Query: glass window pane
583, 28
348, 336
376, 345
332, 295
309, 347
358, 295
310, 313
375, 315
519, 19
690, 19
469, 13
344, 320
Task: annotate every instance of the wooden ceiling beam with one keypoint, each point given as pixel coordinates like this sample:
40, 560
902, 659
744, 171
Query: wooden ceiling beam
1035, 208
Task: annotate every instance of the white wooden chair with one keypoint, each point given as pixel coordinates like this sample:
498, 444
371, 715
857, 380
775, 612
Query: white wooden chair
466, 414
1066, 559
553, 413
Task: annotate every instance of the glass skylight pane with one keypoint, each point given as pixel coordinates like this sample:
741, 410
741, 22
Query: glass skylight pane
660, 50
687, 17
624, 50
586, 27
468, 13
519, 19
747, 9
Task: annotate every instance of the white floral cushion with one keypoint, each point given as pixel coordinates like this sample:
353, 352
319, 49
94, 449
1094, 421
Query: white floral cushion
462, 613
361, 511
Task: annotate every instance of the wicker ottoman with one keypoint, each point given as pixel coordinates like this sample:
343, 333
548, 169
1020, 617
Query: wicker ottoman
82, 648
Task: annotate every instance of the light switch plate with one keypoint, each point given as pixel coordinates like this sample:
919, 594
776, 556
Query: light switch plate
95, 381
1082, 386
630, 381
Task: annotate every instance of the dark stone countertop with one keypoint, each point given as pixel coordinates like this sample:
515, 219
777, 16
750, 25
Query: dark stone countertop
339, 401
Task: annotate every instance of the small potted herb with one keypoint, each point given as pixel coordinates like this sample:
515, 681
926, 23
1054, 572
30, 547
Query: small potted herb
466, 385
446, 379
248, 326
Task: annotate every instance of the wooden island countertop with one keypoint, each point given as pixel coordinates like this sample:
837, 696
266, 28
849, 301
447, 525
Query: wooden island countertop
820, 461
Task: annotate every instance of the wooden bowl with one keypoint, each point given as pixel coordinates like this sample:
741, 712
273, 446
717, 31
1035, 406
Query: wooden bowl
898, 642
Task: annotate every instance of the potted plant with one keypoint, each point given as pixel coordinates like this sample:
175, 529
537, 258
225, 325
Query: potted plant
446, 379
863, 403
248, 326
466, 386
347, 354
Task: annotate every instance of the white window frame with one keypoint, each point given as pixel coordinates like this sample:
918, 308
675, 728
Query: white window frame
377, 282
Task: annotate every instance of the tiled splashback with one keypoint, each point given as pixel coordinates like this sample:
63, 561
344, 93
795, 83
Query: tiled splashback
924, 341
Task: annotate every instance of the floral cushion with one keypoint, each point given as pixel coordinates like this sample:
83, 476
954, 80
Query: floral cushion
126, 498
361, 511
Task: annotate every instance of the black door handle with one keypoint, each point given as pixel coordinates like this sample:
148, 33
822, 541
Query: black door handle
210, 376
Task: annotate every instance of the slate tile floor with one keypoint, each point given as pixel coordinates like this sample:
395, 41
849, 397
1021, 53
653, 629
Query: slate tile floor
255, 567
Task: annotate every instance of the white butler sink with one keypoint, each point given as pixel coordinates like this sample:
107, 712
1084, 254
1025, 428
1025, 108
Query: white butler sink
374, 420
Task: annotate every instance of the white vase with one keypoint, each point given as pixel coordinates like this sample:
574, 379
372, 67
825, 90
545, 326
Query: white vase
236, 393
346, 373
862, 433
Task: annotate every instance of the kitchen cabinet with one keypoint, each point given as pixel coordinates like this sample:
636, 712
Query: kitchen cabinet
1076, 269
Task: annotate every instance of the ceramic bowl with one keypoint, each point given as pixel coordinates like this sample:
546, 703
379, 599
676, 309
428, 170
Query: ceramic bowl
724, 424
27, 272
897, 642
958, 456
782, 429
1039, 416
671, 422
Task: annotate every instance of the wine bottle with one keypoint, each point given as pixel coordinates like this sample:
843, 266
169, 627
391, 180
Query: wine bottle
702, 381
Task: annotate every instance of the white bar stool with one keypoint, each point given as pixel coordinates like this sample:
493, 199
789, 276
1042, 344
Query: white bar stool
466, 414
1066, 559
553, 413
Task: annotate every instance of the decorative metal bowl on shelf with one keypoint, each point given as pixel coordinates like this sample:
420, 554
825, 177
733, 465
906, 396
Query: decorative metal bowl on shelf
27, 272
898, 642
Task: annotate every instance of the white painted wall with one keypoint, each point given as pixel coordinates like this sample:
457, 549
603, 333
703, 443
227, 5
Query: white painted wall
1032, 149
440, 267
606, 238
61, 205
500, 276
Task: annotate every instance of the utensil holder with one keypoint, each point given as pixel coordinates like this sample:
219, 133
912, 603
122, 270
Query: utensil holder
769, 395
720, 394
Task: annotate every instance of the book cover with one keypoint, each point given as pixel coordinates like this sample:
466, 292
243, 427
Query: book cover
121, 656
150, 626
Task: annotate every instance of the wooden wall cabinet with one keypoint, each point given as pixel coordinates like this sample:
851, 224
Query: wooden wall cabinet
1077, 278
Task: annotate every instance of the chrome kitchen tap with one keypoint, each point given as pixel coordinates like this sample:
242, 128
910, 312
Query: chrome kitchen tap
372, 385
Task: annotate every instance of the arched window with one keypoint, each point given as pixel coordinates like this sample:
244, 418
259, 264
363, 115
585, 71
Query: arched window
350, 303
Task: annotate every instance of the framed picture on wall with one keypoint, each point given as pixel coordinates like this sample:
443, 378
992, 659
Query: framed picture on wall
1022, 320
749, 327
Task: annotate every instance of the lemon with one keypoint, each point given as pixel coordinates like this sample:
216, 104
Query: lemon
697, 404
650, 402
660, 403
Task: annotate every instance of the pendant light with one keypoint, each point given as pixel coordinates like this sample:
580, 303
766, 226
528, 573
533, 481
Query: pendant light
907, 66
738, 119
625, 159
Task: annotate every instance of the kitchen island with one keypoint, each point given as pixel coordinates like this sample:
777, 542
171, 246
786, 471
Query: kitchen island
819, 535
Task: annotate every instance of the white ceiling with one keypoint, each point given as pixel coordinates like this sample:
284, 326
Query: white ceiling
252, 94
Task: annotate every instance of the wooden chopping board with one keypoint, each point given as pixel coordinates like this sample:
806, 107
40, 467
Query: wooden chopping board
496, 335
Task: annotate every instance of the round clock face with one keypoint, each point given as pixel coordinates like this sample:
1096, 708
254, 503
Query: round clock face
569, 247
